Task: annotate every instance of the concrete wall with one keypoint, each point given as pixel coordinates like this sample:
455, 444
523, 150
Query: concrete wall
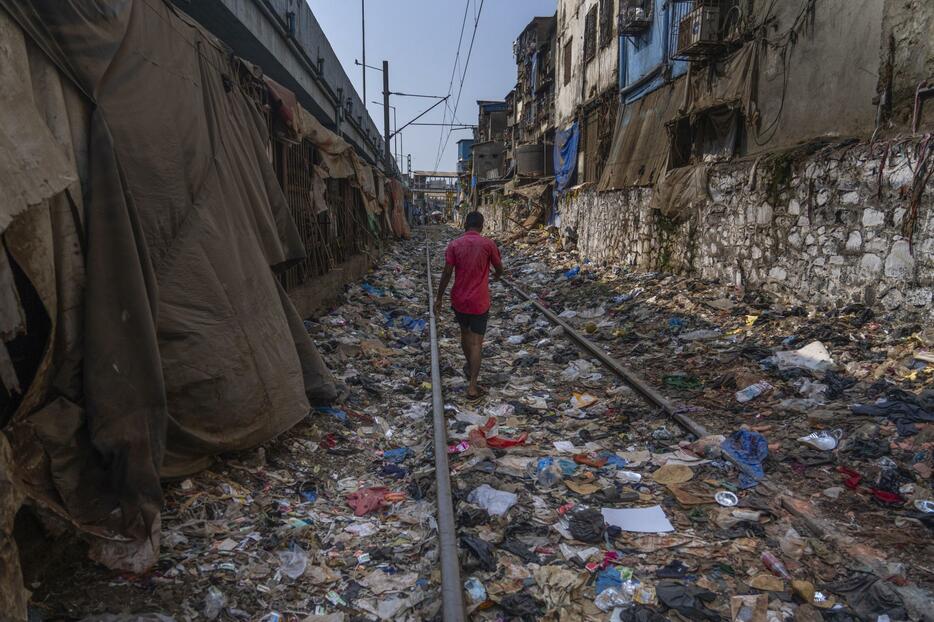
819, 232
305, 63
587, 81
908, 56
834, 61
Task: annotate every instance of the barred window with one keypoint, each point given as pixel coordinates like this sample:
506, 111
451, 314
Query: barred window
567, 62
590, 35
606, 22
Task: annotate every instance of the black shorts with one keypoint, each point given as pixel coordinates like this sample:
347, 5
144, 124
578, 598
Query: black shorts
474, 322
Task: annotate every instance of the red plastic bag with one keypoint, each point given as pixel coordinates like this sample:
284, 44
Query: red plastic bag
853, 478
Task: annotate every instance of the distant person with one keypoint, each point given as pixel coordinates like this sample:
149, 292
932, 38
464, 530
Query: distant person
469, 257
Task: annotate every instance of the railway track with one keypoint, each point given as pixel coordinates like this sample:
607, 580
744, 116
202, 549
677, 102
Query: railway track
452, 592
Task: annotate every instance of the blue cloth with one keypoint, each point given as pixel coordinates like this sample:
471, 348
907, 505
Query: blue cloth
608, 578
751, 449
612, 460
397, 455
371, 290
565, 157
337, 413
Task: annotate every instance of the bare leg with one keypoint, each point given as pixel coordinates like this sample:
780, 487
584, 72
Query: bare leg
475, 355
465, 347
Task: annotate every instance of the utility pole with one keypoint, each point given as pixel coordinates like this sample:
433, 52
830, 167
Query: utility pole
387, 146
363, 31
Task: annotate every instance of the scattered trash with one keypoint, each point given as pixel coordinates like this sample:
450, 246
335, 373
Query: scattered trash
726, 498
824, 441
214, 602
640, 520
749, 449
349, 492
476, 592
292, 562
752, 391
496, 502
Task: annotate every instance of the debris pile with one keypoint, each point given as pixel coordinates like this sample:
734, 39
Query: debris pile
575, 498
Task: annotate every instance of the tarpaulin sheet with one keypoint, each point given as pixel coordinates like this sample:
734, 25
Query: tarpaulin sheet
734, 83
190, 346
335, 151
566, 142
32, 166
680, 191
640, 146
400, 226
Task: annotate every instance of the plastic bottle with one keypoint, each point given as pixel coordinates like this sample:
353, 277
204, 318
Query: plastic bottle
752, 391
775, 565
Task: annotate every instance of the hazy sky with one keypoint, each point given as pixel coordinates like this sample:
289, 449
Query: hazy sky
419, 39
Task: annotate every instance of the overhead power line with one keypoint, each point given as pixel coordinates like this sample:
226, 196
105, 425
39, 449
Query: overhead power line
460, 87
457, 56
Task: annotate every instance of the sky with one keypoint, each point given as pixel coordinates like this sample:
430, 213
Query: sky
419, 38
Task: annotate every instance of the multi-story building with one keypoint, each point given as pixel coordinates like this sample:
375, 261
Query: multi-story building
531, 102
586, 92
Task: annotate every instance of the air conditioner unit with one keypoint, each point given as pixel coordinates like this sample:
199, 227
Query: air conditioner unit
699, 34
635, 17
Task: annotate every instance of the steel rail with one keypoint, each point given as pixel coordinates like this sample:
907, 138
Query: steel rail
452, 594
628, 376
633, 380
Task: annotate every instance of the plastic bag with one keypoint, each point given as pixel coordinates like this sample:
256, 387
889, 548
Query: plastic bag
292, 563
476, 593
214, 602
495, 502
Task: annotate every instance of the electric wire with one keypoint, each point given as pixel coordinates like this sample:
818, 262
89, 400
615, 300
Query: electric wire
447, 106
460, 88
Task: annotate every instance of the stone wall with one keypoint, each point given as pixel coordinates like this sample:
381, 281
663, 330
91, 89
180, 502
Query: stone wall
816, 228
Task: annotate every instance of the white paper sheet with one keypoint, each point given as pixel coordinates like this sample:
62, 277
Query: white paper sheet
640, 520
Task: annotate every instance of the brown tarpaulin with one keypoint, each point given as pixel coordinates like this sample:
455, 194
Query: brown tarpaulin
639, 151
400, 226
680, 191
733, 84
190, 346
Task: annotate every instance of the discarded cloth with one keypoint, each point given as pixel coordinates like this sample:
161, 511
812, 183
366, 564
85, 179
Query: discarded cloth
750, 449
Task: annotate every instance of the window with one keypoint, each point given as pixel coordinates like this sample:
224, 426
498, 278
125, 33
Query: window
590, 35
713, 135
606, 22
567, 62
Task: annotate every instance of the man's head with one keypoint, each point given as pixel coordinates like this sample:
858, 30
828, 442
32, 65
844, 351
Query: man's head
473, 222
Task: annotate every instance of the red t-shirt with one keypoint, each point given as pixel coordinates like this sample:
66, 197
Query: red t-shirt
471, 255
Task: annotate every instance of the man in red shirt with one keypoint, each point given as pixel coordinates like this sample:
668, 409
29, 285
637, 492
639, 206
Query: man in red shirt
469, 257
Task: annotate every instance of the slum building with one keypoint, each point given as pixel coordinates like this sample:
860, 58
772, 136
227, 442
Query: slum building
488, 152
768, 144
528, 165
166, 226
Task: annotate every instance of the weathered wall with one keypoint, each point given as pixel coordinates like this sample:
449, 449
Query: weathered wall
587, 80
908, 56
817, 230
834, 59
